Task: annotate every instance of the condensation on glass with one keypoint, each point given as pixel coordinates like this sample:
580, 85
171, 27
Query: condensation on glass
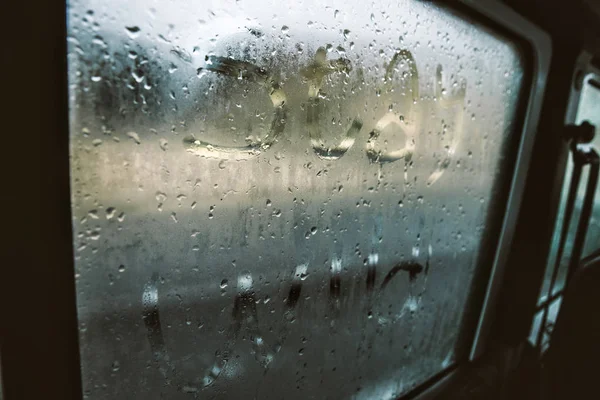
588, 110
280, 200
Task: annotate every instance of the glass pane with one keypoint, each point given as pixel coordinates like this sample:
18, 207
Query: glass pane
276, 199
588, 110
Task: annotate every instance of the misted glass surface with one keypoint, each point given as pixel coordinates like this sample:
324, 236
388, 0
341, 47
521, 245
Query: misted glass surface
280, 199
588, 110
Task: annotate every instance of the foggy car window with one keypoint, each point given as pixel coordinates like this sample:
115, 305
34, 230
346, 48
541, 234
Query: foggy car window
277, 199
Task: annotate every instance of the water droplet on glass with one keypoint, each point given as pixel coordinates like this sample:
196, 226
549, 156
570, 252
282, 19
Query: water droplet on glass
134, 136
138, 75
95, 234
121, 268
110, 212
161, 197
285, 29
115, 366
415, 251
164, 144
224, 283
99, 41
269, 203
201, 72
133, 31
174, 217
